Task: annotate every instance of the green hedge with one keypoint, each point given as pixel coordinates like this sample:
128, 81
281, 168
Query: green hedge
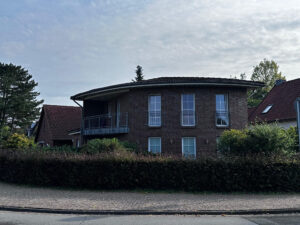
82, 171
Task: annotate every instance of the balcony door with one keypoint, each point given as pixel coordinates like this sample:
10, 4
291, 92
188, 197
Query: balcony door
222, 114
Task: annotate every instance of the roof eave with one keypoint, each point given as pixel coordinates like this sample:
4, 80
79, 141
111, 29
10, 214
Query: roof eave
81, 96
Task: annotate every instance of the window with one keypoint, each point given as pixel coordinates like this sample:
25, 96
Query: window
189, 147
188, 110
154, 145
267, 109
222, 117
154, 111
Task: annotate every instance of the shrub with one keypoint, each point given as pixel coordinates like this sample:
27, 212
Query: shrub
232, 142
102, 145
18, 141
97, 172
130, 146
259, 139
269, 139
293, 133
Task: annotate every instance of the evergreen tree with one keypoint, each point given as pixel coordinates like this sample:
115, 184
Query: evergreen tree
268, 72
243, 76
18, 99
139, 74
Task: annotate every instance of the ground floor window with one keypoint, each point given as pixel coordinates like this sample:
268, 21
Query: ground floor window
189, 147
154, 145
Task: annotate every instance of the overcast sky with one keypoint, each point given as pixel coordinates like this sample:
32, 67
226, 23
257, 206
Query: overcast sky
70, 46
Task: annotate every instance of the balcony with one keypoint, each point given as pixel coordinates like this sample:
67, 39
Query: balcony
106, 124
222, 118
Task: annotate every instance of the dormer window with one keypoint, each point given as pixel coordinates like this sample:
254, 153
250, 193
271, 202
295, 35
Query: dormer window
267, 109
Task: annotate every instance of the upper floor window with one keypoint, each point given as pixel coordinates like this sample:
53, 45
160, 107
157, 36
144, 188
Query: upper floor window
154, 145
188, 110
267, 109
222, 115
154, 110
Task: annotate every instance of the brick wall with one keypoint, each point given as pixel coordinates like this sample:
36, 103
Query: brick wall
135, 103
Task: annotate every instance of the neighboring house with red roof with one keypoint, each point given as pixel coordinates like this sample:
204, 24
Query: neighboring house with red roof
279, 105
59, 125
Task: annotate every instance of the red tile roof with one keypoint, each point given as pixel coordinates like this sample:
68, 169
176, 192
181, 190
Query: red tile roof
282, 98
250, 111
62, 119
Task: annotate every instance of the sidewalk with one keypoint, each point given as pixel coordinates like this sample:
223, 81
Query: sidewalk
32, 197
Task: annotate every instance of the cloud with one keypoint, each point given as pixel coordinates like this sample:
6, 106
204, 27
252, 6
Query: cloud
72, 46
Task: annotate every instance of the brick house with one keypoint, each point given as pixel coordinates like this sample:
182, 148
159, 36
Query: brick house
168, 115
279, 105
59, 125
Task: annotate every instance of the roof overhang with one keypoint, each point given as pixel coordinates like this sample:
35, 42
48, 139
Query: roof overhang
105, 95
125, 88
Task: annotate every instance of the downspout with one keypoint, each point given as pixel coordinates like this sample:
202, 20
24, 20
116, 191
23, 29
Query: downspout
298, 118
82, 122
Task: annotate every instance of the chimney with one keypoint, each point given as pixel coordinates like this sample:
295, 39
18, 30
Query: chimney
280, 81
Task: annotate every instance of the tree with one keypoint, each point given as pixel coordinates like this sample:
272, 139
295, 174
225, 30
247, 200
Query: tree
243, 76
268, 72
18, 99
139, 74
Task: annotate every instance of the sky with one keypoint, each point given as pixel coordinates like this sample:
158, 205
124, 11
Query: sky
70, 46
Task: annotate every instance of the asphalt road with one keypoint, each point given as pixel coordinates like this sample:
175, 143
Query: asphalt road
17, 218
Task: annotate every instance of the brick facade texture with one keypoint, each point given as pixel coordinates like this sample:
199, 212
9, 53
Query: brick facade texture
135, 102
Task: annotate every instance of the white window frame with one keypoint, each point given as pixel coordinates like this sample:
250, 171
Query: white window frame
195, 147
267, 109
149, 149
227, 110
188, 125
149, 120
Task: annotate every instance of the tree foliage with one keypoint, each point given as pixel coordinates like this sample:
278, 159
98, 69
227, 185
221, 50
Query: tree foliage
18, 98
268, 72
19, 141
243, 76
139, 74
259, 139
4, 134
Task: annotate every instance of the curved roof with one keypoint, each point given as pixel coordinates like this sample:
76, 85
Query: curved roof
170, 81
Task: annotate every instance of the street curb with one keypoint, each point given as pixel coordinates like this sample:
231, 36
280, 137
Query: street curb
149, 212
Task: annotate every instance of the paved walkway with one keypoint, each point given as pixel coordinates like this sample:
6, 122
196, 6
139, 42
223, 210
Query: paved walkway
23, 196
17, 218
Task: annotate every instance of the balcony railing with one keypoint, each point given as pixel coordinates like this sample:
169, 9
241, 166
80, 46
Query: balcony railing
154, 118
222, 118
188, 118
106, 124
